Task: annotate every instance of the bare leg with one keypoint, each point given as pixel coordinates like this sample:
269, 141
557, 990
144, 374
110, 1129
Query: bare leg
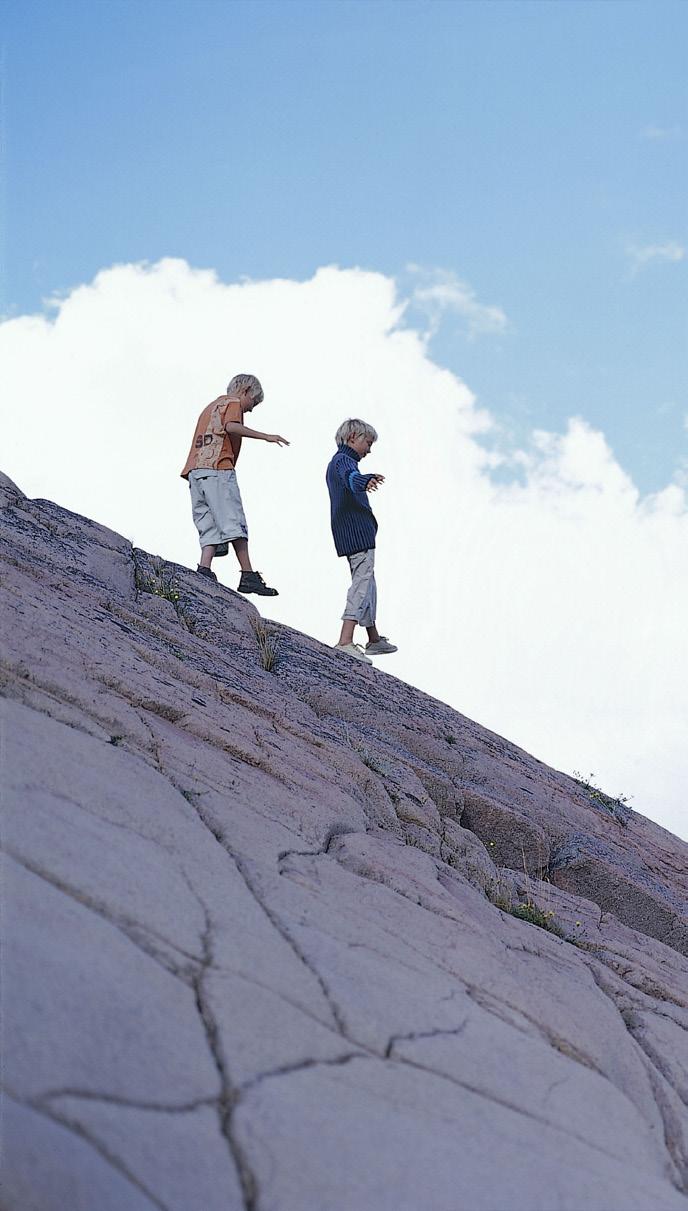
207, 556
241, 551
347, 635
373, 634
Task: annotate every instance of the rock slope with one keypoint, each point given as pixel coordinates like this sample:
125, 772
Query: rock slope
260, 946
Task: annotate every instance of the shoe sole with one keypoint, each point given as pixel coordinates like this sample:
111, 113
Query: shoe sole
258, 592
360, 659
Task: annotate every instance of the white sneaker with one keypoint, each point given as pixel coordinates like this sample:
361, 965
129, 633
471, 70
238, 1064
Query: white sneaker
352, 649
381, 647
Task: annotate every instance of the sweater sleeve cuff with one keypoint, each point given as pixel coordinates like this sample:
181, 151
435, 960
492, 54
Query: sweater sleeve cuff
358, 482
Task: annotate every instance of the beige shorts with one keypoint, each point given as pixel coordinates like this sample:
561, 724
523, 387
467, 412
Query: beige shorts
361, 601
216, 505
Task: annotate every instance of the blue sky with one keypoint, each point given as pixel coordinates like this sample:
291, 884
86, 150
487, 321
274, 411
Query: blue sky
537, 151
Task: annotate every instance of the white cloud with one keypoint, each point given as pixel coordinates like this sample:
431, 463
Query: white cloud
645, 254
552, 611
661, 134
439, 292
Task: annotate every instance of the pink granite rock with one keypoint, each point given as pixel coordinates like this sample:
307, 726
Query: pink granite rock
260, 949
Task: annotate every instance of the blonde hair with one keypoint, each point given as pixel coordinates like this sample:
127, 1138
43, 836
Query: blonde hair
353, 428
241, 382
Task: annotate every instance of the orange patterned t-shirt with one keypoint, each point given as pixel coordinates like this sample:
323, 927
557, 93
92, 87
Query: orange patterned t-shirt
213, 449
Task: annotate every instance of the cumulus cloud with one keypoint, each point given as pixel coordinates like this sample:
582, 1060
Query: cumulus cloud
646, 254
552, 609
439, 292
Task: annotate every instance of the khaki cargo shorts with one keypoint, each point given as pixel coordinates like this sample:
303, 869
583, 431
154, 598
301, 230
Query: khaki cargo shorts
216, 505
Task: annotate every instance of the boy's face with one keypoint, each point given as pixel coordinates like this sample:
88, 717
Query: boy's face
248, 400
361, 444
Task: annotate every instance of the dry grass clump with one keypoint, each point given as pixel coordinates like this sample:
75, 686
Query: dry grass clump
160, 583
619, 808
268, 644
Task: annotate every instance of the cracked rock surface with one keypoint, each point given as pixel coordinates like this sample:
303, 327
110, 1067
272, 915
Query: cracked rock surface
259, 942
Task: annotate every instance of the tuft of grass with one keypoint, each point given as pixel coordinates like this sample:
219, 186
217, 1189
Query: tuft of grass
268, 644
591, 947
116, 740
371, 761
159, 583
618, 808
529, 912
191, 797
535, 916
501, 902
162, 709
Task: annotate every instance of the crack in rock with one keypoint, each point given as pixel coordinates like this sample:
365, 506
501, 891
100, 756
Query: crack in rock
110, 1099
659, 1062
416, 1036
282, 930
114, 1161
507, 1105
337, 830
229, 1094
671, 1124
304, 1065
274, 920
139, 935
494, 1005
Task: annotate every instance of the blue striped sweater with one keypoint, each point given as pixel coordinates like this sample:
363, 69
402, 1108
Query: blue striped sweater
353, 521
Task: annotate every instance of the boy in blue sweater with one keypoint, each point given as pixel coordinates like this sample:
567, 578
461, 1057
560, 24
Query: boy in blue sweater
354, 528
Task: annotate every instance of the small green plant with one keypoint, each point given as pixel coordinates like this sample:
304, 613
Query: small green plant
618, 808
527, 911
268, 644
116, 740
159, 583
535, 916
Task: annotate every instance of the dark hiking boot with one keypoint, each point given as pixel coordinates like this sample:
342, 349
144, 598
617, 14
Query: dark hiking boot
252, 582
221, 549
209, 575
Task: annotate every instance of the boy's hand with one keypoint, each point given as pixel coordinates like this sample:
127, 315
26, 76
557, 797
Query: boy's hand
374, 483
275, 437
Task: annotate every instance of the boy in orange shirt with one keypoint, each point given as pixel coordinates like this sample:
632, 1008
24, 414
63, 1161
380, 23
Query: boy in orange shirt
210, 470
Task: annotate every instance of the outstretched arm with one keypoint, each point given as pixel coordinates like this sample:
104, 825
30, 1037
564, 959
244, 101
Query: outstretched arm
347, 471
240, 430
